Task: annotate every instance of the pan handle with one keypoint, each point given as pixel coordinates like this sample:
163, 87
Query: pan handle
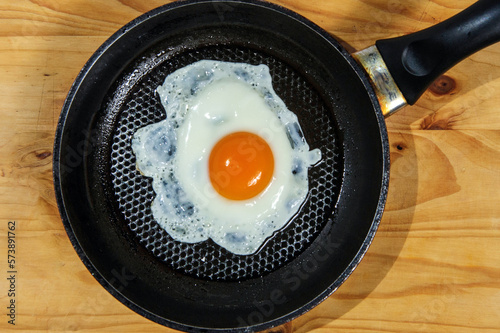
417, 59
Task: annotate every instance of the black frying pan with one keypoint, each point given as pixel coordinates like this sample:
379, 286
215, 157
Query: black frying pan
104, 202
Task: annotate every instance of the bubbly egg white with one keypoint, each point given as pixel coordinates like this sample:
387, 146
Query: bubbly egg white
204, 102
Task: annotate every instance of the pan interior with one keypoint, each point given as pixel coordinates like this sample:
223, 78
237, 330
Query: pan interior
132, 103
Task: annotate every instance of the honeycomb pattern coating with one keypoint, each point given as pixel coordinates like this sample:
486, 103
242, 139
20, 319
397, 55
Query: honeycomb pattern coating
134, 192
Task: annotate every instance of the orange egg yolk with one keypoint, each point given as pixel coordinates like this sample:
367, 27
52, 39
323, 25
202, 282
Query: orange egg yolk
241, 165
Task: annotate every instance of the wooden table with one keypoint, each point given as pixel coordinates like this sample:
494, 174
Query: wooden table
434, 265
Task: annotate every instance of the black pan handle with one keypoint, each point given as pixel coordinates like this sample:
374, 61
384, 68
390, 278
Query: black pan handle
417, 59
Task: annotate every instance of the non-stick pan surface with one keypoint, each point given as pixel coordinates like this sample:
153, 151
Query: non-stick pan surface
104, 201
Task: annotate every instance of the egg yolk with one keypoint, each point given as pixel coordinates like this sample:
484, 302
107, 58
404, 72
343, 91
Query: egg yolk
241, 165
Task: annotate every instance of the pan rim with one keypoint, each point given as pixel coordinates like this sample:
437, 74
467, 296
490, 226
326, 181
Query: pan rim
62, 204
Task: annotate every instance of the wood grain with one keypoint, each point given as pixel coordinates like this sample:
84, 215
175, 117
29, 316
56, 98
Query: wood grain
434, 265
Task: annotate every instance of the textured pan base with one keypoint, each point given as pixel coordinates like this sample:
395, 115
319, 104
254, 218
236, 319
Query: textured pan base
134, 194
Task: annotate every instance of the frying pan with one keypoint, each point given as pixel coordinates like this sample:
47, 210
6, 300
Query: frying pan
340, 101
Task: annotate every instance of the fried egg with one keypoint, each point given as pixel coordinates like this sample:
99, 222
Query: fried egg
229, 162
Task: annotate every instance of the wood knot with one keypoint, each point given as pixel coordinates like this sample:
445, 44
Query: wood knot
441, 124
443, 85
43, 155
438, 121
34, 158
400, 146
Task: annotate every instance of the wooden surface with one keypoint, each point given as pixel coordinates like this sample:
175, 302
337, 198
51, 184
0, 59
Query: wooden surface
434, 265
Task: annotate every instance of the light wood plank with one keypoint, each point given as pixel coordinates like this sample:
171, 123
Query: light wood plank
434, 265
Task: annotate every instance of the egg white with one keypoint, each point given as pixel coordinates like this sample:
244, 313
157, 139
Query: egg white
204, 102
